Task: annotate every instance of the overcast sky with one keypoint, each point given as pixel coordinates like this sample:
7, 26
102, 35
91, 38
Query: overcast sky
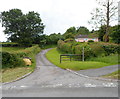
57, 15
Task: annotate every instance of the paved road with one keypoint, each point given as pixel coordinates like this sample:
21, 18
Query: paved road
99, 72
52, 81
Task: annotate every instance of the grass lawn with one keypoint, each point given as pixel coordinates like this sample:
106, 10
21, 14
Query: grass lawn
54, 56
114, 75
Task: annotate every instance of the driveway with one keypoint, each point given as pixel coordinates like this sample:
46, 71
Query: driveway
51, 81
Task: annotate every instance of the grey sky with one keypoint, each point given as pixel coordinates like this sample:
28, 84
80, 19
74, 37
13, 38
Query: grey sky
57, 15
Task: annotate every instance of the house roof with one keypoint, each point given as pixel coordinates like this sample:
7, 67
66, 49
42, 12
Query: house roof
82, 36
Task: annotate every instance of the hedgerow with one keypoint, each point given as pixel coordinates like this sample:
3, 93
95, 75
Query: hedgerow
15, 59
93, 49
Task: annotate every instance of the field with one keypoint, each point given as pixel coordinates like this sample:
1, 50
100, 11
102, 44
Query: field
54, 56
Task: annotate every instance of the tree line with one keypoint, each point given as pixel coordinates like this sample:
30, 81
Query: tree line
28, 29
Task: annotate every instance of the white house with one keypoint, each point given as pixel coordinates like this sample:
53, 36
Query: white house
85, 38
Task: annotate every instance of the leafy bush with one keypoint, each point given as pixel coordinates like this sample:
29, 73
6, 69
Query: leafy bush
110, 48
10, 60
90, 41
13, 59
87, 50
90, 49
97, 50
9, 44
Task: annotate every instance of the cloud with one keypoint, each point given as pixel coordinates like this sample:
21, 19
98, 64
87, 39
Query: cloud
57, 15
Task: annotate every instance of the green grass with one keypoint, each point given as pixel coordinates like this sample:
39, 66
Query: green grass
11, 49
54, 56
112, 59
11, 74
114, 75
49, 46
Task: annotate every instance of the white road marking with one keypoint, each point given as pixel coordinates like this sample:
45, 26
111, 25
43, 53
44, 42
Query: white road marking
90, 85
23, 86
109, 85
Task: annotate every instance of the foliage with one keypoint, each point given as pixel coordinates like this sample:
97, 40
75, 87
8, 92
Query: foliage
53, 38
82, 30
97, 50
93, 49
9, 44
87, 50
101, 32
90, 41
103, 15
115, 35
54, 56
110, 48
10, 60
22, 28
70, 33
14, 58
112, 59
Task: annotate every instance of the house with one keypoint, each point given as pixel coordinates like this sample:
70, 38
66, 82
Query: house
85, 38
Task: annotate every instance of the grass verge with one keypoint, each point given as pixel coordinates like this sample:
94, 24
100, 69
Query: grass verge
10, 74
112, 59
114, 75
54, 56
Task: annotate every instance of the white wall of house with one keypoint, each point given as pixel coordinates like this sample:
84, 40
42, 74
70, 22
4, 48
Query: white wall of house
86, 39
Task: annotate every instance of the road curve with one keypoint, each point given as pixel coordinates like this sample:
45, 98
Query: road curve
51, 81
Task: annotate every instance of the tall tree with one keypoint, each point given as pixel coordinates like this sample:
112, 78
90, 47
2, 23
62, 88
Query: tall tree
104, 15
82, 30
22, 28
70, 33
115, 35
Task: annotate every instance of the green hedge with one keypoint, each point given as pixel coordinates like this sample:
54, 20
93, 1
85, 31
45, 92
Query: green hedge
93, 49
10, 60
9, 44
14, 59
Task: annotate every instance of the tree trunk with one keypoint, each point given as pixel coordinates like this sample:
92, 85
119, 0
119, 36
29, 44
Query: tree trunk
106, 36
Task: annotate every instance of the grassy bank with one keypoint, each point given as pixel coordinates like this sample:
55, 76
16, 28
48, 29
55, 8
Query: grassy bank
112, 59
114, 75
10, 74
54, 56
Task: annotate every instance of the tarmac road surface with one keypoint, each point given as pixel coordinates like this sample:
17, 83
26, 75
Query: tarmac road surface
51, 81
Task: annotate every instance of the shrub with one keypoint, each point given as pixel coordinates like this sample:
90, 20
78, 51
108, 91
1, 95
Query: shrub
97, 50
110, 48
9, 44
90, 49
10, 60
90, 41
14, 59
87, 50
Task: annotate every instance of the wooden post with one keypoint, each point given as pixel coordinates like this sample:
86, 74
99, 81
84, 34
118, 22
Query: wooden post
60, 58
70, 57
83, 56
